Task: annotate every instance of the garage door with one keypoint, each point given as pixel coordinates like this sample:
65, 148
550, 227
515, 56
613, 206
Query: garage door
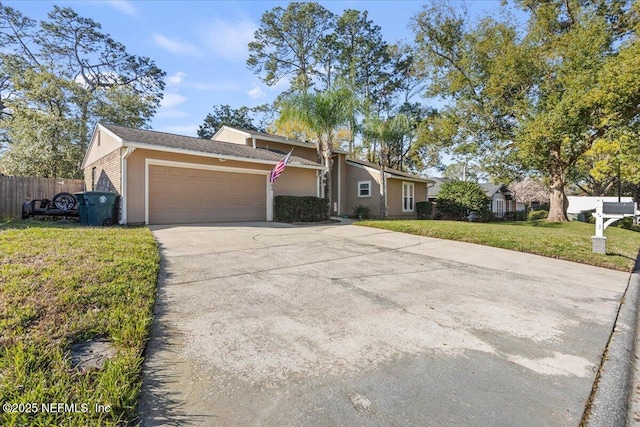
181, 195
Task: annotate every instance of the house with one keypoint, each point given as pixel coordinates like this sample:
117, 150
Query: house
363, 183
501, 200
502, 203
164, 178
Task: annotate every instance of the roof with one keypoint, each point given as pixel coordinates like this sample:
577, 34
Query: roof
388, 170
491, 189
169, 142
274, 138
433, 191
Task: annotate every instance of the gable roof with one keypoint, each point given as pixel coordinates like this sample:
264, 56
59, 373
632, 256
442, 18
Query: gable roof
435, 190
396, 173
154, 140
490, 189
270, 137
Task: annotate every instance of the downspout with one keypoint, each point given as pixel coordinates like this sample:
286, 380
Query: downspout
339, 185
123, 183
253, 140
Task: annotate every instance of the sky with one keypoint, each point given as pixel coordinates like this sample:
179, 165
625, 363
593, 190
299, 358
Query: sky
202, 45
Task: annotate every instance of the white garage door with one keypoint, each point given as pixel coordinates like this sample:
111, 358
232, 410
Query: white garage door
182, 195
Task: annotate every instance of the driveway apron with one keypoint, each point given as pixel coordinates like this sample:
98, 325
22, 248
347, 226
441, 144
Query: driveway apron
266, 324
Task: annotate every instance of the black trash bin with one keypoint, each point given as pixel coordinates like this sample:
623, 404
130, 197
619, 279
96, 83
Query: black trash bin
97, 208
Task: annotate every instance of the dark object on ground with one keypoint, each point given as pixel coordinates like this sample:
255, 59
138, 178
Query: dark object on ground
62, 204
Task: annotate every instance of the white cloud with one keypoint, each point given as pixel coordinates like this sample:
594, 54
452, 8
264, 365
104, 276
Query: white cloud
174, 46
168, 106
176, 79
172, 100
256, 93
123, 6
229, 40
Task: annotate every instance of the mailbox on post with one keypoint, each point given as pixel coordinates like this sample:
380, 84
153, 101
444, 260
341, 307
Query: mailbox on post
611, 212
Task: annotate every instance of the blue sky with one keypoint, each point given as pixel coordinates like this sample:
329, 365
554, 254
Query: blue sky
202, 45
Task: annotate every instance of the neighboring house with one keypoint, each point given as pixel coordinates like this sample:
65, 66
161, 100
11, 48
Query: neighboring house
435, 189
164, 178
502, 203
501, 200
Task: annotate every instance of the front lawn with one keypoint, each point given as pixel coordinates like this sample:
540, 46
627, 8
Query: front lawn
66, 284
570, 241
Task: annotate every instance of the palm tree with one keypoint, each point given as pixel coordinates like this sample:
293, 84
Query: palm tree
323, 113
383, 132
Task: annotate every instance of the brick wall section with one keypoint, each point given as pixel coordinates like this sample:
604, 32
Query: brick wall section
107, 174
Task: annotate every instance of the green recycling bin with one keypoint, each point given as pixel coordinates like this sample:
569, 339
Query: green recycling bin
82, 208
97, 208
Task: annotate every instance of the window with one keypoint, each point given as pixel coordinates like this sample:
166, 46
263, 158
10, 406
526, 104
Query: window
499, 208
93, 178
407, 197
364, 188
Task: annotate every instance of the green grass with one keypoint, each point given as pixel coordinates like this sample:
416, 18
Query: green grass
570, 241
62, 284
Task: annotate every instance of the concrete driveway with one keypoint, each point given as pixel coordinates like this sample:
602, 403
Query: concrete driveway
274, 325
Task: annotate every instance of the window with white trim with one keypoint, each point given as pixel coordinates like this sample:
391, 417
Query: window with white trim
364, 188
408, 196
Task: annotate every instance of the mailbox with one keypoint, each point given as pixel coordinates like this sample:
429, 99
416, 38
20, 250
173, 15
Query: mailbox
623, 208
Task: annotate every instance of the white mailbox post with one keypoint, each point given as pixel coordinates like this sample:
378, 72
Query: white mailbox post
606, 214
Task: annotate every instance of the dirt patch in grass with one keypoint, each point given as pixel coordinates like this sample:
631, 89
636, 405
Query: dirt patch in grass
62, 284
570, 241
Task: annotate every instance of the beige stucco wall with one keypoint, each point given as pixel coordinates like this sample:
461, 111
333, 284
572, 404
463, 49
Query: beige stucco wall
394, 197
293, 181
296, 182
353, 175
227, 135
107, 173
101, 144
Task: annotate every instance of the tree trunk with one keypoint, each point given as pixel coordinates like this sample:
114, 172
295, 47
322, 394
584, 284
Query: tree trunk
558, 201
326, 153
383, 182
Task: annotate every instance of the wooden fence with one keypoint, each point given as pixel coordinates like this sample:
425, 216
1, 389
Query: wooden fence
15, 190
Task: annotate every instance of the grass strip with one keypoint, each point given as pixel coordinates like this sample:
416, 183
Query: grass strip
65, 284
569, 241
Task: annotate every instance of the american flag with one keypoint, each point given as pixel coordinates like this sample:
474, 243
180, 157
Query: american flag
275, 173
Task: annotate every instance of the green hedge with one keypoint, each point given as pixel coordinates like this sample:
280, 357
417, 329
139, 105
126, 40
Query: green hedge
424, 210
300, 209
536, 215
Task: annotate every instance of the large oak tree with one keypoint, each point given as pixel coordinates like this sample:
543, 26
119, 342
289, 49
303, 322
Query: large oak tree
58, 78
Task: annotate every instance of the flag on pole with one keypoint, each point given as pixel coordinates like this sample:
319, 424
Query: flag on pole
275, 173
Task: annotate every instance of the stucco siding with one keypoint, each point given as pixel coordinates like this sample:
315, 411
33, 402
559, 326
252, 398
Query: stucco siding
394, 197
296, 182
102, 144
355, 174
228, 135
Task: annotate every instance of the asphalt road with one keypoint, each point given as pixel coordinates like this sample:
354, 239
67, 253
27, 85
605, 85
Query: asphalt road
271, 325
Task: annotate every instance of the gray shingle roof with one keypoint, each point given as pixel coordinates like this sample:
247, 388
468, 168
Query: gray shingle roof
198, 145
388, 170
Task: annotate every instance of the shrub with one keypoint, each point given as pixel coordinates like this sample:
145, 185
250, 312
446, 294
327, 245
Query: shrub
461, 198
536, 215
300, 209
520, 216
362, 211
424, 209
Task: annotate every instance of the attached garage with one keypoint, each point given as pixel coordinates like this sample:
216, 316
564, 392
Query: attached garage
164, 178
181, 195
